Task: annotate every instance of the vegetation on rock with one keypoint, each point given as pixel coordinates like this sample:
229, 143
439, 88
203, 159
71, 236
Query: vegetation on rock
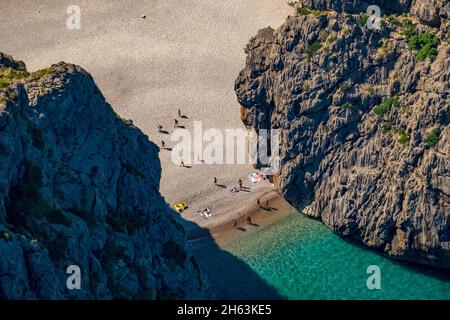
426, 45
433, 137
386, 106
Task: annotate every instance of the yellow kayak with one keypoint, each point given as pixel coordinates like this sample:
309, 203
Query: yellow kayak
180, 207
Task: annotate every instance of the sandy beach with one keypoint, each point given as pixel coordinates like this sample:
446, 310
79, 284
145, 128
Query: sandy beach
184, 54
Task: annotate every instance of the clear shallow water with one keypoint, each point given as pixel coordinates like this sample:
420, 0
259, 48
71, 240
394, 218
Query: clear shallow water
302, 259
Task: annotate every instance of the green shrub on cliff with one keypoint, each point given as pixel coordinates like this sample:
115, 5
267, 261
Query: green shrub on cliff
403, 137
407, 28
345, 86
5, 235
394, 20
387, 127
433, 137
313, 48
13, 74
5, 84
8, 77
323, 36
363, 20
40, 73
302, 11
426, 44
386, 106
331, 39
347, 106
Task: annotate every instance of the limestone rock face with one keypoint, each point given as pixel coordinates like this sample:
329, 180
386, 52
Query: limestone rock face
364, 116
80, 186
390, 6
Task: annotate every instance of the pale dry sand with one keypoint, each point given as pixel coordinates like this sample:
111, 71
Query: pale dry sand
186, 54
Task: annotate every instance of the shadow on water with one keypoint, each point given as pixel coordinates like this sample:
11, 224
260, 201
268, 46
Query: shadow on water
229, 277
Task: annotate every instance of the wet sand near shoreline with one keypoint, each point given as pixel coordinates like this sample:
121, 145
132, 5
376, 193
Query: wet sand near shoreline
262, 216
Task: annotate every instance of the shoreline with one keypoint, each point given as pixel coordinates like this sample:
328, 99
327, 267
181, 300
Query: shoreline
223, 231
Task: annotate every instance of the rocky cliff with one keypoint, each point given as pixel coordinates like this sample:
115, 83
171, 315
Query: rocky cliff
79, 186
364, 115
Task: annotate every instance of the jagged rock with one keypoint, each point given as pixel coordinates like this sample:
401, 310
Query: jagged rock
430, 12
375, 178
7, 61
80, 186
353, 6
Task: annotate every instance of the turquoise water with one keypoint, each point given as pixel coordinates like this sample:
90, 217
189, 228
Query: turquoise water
302, 259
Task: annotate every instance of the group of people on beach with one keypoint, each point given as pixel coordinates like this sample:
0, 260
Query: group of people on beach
258, 202
177, 125
240, 183
207, 213
248, 218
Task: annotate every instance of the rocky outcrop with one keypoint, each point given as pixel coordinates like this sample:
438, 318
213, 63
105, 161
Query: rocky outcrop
80, 186
364, 116
429, 12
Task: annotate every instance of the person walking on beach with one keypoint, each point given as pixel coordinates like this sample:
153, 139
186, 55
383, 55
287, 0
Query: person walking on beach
215, 181
259, 203
240, 184
176, 123
182, 163
249, 220
179, 113
160, 128
163, 145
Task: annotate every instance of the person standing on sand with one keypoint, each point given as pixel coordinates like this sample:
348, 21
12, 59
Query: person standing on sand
179, 113
176, 123
160, 128
163, 145
258, 202
240, 184
182, 163
215, 181
249, 220
235, 224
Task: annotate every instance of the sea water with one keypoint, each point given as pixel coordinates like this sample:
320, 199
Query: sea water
301, 259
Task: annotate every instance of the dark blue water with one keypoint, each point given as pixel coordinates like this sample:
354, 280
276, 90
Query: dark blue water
302, 259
